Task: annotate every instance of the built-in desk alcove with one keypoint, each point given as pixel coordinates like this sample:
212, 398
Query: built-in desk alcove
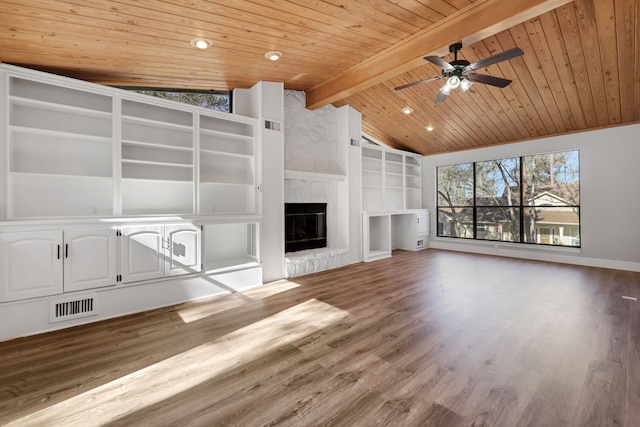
385, 231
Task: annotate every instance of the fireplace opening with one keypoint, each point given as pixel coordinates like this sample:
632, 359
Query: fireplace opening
305, 226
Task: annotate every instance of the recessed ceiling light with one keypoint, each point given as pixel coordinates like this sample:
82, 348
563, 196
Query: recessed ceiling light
201, 43
273, 55
429, 128
407, 110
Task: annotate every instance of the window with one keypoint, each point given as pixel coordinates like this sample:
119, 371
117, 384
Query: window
214, 100
531, 199
455, 200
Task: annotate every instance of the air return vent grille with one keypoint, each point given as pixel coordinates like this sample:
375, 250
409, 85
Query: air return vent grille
271, 125
73, 308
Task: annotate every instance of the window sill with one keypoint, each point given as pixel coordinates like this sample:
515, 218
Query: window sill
490, 244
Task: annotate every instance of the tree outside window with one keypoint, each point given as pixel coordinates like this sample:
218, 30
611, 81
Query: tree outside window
455, 200
213, 100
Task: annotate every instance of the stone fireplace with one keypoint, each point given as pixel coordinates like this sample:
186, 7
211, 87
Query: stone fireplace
316, 164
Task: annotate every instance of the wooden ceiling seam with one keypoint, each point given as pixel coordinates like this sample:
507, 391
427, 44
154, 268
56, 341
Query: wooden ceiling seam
537, 79
589, 37
625, 34
570, 31
607, 58
549, 23
558, 87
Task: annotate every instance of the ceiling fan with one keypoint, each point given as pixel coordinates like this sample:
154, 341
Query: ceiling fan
459, 72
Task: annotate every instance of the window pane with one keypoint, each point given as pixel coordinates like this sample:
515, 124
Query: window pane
211, 100
498, 224
552, 179
498, 182
455, 222
552, 226
455, 185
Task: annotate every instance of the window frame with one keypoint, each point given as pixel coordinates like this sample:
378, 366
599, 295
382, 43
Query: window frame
523, 206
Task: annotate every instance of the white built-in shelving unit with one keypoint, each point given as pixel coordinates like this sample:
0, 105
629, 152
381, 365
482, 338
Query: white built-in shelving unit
81, 150
227, 166
103, 190
157, 159
372, 183
413, 182
393, 198
393, 217
59, 151
391, 179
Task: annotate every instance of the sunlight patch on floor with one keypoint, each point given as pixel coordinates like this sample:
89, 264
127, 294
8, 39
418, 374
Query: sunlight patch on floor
197, 310
160, 381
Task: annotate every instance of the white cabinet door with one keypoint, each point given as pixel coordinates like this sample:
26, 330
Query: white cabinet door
89, 259
184, 243
30, 264
142, 253
423, 222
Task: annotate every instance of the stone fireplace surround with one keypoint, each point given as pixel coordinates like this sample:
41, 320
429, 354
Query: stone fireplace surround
315, 172
313, 260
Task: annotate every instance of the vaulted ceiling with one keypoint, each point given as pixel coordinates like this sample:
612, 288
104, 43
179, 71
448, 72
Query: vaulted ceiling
580, 70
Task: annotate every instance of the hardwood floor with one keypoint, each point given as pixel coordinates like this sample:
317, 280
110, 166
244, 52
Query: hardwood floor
430, 338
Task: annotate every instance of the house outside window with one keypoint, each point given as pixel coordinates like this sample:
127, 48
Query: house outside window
531, 199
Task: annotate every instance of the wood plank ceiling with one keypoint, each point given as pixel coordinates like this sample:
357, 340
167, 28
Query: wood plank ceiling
580, 70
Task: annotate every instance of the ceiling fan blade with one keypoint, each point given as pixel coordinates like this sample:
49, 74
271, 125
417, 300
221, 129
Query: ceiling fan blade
507, 54
419, 82
436, 60
488, 80
441, 97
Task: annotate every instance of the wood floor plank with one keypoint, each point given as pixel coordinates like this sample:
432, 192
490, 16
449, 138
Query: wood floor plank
603, 397
612, 340
455, 340
554, 401
633, 372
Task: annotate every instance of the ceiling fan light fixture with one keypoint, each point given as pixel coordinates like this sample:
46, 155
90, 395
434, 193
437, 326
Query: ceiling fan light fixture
201, 43
453, 82
407, 110
273, 55
446, 89
465, 85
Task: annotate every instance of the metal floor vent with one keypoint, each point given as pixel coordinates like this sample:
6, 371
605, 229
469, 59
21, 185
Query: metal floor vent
73, 308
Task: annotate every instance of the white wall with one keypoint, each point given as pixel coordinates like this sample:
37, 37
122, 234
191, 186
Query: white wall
311, 137
609, 197
265, 102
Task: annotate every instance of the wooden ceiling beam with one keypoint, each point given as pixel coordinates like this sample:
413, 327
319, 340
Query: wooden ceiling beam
475, 22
